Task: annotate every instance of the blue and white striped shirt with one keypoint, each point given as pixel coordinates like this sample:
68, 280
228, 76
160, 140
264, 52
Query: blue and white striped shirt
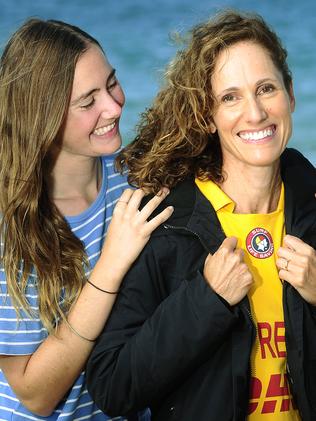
25, 336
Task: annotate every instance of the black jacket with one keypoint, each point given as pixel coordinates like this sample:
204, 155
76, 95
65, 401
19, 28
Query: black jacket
174, 345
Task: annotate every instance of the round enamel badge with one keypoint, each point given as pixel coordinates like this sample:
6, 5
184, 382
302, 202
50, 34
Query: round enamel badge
259, 243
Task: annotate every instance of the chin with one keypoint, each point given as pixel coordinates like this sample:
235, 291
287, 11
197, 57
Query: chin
266, 158
265, 162
117, 145
111, 147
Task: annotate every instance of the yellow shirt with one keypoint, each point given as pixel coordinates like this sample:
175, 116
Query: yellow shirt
260, 236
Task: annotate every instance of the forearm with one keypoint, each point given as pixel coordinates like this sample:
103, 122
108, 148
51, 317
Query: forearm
41, 380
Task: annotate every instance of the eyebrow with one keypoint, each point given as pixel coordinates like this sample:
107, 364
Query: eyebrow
236, 88
92, 91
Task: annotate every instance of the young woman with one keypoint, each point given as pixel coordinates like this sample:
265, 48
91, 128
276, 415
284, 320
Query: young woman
59, 127
216, 319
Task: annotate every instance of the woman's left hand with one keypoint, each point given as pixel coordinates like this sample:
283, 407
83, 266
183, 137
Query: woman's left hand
129, 231
297, 265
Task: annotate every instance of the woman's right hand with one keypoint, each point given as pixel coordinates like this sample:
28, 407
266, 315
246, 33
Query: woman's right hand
129, 230
226, 272
60, 359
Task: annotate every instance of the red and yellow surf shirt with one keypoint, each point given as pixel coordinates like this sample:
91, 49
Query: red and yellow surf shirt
260, 236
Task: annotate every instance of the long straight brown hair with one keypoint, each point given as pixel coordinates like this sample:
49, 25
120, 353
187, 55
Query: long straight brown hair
36, 76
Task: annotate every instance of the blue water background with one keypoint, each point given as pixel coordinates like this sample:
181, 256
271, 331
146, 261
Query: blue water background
136, 35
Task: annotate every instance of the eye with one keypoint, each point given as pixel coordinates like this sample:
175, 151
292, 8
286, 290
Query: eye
229, 98
266, 89
88, 105
112, 83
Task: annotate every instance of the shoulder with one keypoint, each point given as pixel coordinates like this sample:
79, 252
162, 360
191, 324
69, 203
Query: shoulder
298, 173
182, 197
293, 161
114, 178
108, 165
299, 177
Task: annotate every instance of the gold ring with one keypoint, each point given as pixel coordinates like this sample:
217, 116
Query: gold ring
122, 201
286, 264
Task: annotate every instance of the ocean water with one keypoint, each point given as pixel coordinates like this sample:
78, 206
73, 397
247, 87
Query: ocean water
137, 37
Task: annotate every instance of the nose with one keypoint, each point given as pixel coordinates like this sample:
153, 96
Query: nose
110, 106
255, 110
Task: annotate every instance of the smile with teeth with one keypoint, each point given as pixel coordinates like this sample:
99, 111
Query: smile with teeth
257, 135
102, 130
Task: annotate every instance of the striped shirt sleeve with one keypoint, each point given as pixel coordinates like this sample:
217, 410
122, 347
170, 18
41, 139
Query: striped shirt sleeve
19, 334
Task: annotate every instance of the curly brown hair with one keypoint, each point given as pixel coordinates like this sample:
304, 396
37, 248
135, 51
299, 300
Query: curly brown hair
174, 138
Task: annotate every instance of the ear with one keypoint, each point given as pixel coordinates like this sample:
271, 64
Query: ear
213, 127
292, 98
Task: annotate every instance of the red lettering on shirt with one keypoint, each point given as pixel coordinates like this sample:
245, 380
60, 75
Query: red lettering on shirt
277, 388
256, 389
279, 339
265, 334
271, 339
268, 407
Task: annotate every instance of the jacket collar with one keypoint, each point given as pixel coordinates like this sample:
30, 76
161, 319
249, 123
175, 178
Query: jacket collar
205, 222
194, 212
299, 177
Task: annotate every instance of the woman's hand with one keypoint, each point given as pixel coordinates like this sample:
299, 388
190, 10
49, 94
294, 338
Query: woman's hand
227, 273
60, 359
297, 265
129, 230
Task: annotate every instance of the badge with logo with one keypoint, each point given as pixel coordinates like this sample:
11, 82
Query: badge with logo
259, 243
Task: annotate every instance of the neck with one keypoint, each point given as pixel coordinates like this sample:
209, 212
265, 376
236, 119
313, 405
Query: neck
253, 189
74, 183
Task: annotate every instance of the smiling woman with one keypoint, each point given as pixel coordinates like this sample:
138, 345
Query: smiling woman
252, 110
226, 314
95, 108
90, 130
59, 119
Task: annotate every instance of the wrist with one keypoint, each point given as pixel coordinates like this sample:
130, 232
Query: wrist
107, 278
102, 289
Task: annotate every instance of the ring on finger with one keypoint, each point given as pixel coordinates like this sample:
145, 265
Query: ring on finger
122, 201
286, 265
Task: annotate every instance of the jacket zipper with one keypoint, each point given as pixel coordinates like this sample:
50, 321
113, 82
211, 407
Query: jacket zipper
248, 312
179, 228
256, 343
